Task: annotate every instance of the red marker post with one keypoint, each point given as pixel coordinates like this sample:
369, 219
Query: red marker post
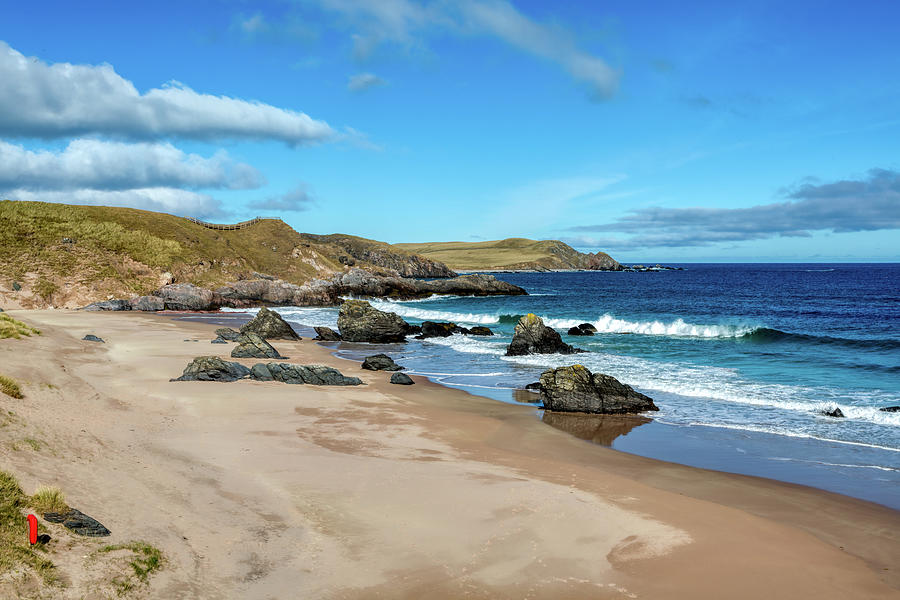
32, 529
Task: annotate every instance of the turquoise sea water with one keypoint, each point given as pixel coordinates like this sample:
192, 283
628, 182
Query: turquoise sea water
741, 359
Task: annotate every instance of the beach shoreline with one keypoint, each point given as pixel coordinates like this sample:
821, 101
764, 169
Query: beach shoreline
386, 491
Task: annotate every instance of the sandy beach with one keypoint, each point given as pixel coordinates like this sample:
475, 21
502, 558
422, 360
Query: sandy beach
266, 490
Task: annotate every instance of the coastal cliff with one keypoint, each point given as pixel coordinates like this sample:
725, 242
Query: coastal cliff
512, 254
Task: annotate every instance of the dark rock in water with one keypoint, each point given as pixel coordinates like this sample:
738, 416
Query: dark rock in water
890, 409
535, 387
219, 341
187, 296
380, 362
92, 338
359, 322
251, 345
480, 330
533, 337
576, 389
576, 331
327, 334
213, 368
583, 329
226, 333
837, 413
78, 522
108, 305
587, 327
401, 379
269, 325
300, 374
147, 303
413, 329
438, 329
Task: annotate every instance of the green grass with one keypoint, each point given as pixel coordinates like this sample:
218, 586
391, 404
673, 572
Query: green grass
9, 387
15, 551
12, 328
145, 560
510, 253
48, 499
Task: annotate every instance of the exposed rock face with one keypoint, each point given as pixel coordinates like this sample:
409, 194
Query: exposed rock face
380, 362
359, 322
269, 325
327, 334
78, 522
436, 329
401, 379
480, 330
533, 337
382, 255
251, 345
227, 333
576, 389
476, 284
583, 329
187, 296
92, 338
587, 327
601, 261
147, 303
108, 305
837, 413
213, 368
299, 374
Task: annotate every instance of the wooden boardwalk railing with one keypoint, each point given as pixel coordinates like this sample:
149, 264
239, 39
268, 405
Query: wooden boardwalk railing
227, 227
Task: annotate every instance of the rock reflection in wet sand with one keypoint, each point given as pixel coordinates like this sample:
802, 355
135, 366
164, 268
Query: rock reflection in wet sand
600, 429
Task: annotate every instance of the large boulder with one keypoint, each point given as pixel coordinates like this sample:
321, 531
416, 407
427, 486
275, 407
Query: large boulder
227, 333
269, 325
147, 303
187, 296
533, 337
439, 329
359, 322
401, 379
299, 374
576, 389
327, 334
480, 330
108, 305
251, 345
213, 368
380, 362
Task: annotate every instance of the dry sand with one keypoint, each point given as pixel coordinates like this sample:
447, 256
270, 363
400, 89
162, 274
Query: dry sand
267, 490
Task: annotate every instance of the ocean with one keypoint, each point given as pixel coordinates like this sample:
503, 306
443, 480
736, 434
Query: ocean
741, 359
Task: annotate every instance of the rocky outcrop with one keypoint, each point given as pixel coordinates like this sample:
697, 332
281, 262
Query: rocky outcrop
227, 333
112, 305
251, 345
213, 368
147, 303
380, 362
401, 379
92, 338
352, 249
576, 389
187, 296
890, 409
583, 329
476, 284
437, 329
301, 374
219, 340
480, 330
359, 322
533, 337
835, 412
327, 334
269, 325
78, 522
600, 261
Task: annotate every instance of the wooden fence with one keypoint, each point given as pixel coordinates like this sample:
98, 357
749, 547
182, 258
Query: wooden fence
227, 227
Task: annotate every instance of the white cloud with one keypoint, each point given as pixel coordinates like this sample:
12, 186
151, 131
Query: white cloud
96, 164
296, 200
363, 81
401, 21
167, 200
44, 100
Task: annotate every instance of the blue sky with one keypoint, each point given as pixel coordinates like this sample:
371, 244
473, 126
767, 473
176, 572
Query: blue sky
655, 131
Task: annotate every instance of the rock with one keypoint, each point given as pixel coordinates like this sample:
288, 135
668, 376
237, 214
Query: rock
587, 327
436, 329
382, 255
213, 368
299, 374
147, 303
108, 305
359, 322
401, 379
187, 296
68, 240
476, 284
576, 331
227, 333
413, 329
533, 337
16, 286
219, 341
576, 389
583, 329
890, 409
78, 522
92, 338
251, 345
836, 412
535, 387
269, 325
327, 334
380, 362
480, 330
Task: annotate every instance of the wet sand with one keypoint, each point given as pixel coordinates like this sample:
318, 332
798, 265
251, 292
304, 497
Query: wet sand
265, 490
